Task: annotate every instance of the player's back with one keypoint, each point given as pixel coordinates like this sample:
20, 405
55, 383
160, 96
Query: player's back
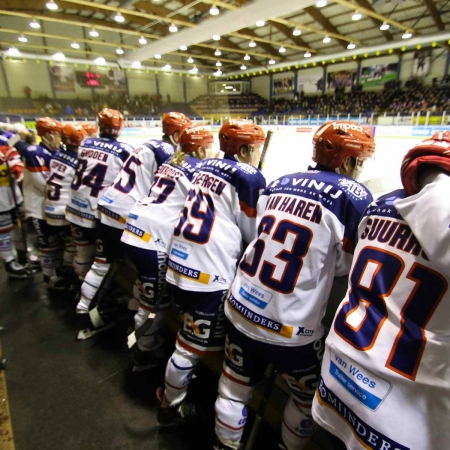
218, 216
151, 220
385, 370
99, 161
307, 225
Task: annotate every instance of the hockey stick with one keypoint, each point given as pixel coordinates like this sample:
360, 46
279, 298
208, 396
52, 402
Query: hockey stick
261, 408
264, 150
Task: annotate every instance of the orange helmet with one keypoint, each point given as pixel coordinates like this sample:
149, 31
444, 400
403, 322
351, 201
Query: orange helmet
334, 141
110, 122
46, 125
192, 138
73, 134
90, 128
174, 121
237, 132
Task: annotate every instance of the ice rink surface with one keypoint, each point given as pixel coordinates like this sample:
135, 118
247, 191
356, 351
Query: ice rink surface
290, 152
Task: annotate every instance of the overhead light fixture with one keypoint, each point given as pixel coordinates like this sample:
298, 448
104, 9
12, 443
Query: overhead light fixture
157, 56
59, 56
321, 3
119, 18
218, 63
190, 60
167, 67
247, 57
351, 46
35, 24
142, 40
100, 60
307, 54
217, 52
13, 51
384, 26
22, 38
260, 23
326, 39
252, 43
271, 61
51, 5
214, 11
243, 67
356, 15
119, 51
93, 32
218, 73
173, 28
297, 31
136, 64
183, 48
194, 70
75, 45
407, 34
216, 37
282, 50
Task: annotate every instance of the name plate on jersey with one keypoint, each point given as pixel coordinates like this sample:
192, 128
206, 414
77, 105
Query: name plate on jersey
361, 383
180, 249
254, 294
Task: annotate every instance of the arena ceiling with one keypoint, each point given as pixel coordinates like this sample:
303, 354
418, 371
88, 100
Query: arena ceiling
253, 35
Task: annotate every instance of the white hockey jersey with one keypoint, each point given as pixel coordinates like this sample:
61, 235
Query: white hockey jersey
37, 169
385, 381
133, 182
62, 170
218, 216
151, 221
307, 228
99, 162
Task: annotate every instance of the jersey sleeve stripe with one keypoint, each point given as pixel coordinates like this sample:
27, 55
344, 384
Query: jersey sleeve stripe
247, 210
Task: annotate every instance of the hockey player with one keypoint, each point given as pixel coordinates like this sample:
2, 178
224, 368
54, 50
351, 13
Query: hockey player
218, 216
148, 234
62, 169
90, 128
385, 382
131, 184
99, 161
37, 163
11, 172
307, 224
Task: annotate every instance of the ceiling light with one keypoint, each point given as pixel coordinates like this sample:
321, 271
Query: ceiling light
217, 52
218, 63
252, 43
22, 38
351, 46
356, 15
321, 3
282, 50
260, 23
183, 48
190, 60
75, 45
142, 40
243, 67
218, 72
119, 18
119, 51
93, 32
167, 67
173, 28
100, 60
271, 61
51, 5
247, 57
297, 31
384, 26
194, 70
326, 39
407, 34
214, 11
13, 51
216, 37
307, 54
34, 24
136, 64
157, 56
59, 56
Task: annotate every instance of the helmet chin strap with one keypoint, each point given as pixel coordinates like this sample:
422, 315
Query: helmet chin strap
49, 141
173, 140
